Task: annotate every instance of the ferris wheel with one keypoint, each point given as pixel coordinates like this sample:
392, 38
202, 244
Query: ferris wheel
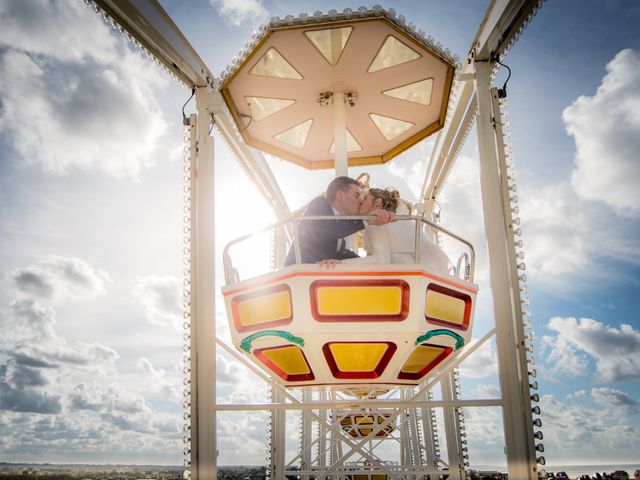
356, 349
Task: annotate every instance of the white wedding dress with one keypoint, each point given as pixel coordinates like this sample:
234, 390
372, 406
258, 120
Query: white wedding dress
395, 242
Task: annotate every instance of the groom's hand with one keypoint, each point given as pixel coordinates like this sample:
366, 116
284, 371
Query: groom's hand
382, 217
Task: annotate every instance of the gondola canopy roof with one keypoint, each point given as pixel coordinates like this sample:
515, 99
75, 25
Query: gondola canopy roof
395, 83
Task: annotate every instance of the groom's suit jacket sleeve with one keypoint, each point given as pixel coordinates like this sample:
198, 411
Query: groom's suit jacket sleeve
319, 239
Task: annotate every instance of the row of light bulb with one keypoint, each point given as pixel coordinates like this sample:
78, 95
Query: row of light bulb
332, 16
268, 471
434, 431
186, 302
524, 25
111, 22
460, 412
522, 279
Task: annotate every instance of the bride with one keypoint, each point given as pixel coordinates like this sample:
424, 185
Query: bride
395, 242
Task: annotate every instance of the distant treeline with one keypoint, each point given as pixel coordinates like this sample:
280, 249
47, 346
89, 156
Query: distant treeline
36, 476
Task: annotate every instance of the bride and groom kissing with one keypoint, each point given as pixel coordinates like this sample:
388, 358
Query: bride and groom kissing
386, 240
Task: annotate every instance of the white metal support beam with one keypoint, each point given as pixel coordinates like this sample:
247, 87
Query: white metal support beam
203, 360
452, 428
430, 434
306, 435
501, 25
150, 25
277, 438
516, 417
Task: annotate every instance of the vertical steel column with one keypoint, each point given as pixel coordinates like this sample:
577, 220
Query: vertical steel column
306, 435
322, 433
277, 437
430, 433
203, 359
416, 440
452, 429
521, 464
336, 441
405, 451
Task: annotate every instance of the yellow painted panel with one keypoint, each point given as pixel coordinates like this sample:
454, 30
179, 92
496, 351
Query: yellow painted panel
358, 357
364, 420
369, 300
444, 307
265, 308
289, 359
421, 357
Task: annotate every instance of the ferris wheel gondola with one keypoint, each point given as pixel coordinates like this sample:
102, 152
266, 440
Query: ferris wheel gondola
354, 328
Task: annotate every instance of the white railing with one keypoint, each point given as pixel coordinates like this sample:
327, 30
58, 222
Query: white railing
465, 264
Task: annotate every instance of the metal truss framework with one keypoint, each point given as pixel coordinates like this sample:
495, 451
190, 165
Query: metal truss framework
326, 449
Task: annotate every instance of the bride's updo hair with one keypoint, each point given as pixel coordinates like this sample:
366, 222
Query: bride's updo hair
389, 197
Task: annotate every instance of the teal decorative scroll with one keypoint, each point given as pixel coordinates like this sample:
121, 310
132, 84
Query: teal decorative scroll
441, 331
246, 342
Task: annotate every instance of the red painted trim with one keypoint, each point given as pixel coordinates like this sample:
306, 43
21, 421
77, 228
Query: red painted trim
398, 273
348, 385
464, 326
404, 300
375, 373
277, 370
446, 351
235, 309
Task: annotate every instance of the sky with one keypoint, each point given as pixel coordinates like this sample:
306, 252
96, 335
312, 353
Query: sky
91, 209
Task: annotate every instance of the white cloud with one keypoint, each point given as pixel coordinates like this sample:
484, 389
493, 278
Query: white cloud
92, 107
110, 398
162, 299
18, 396
556, 228
156, 381
483, 390
65, 30
33, 342
570, 427
230, 371
616, 399
577, 394
17, 375
85, 437
616, 350
460, 201
29, 321
485, 435
481, 363
236, 12
562, 356
606, 128
242, 438
58, 279
90, 436
408, 178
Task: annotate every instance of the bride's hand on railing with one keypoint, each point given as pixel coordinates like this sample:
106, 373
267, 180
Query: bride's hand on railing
328, 262
382, 217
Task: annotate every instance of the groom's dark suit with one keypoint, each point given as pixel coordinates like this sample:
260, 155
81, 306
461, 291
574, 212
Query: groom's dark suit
319, 239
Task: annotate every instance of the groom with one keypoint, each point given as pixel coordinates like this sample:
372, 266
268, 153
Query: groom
323, 240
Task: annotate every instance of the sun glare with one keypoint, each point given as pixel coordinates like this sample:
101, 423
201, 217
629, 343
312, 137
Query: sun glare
243, 210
